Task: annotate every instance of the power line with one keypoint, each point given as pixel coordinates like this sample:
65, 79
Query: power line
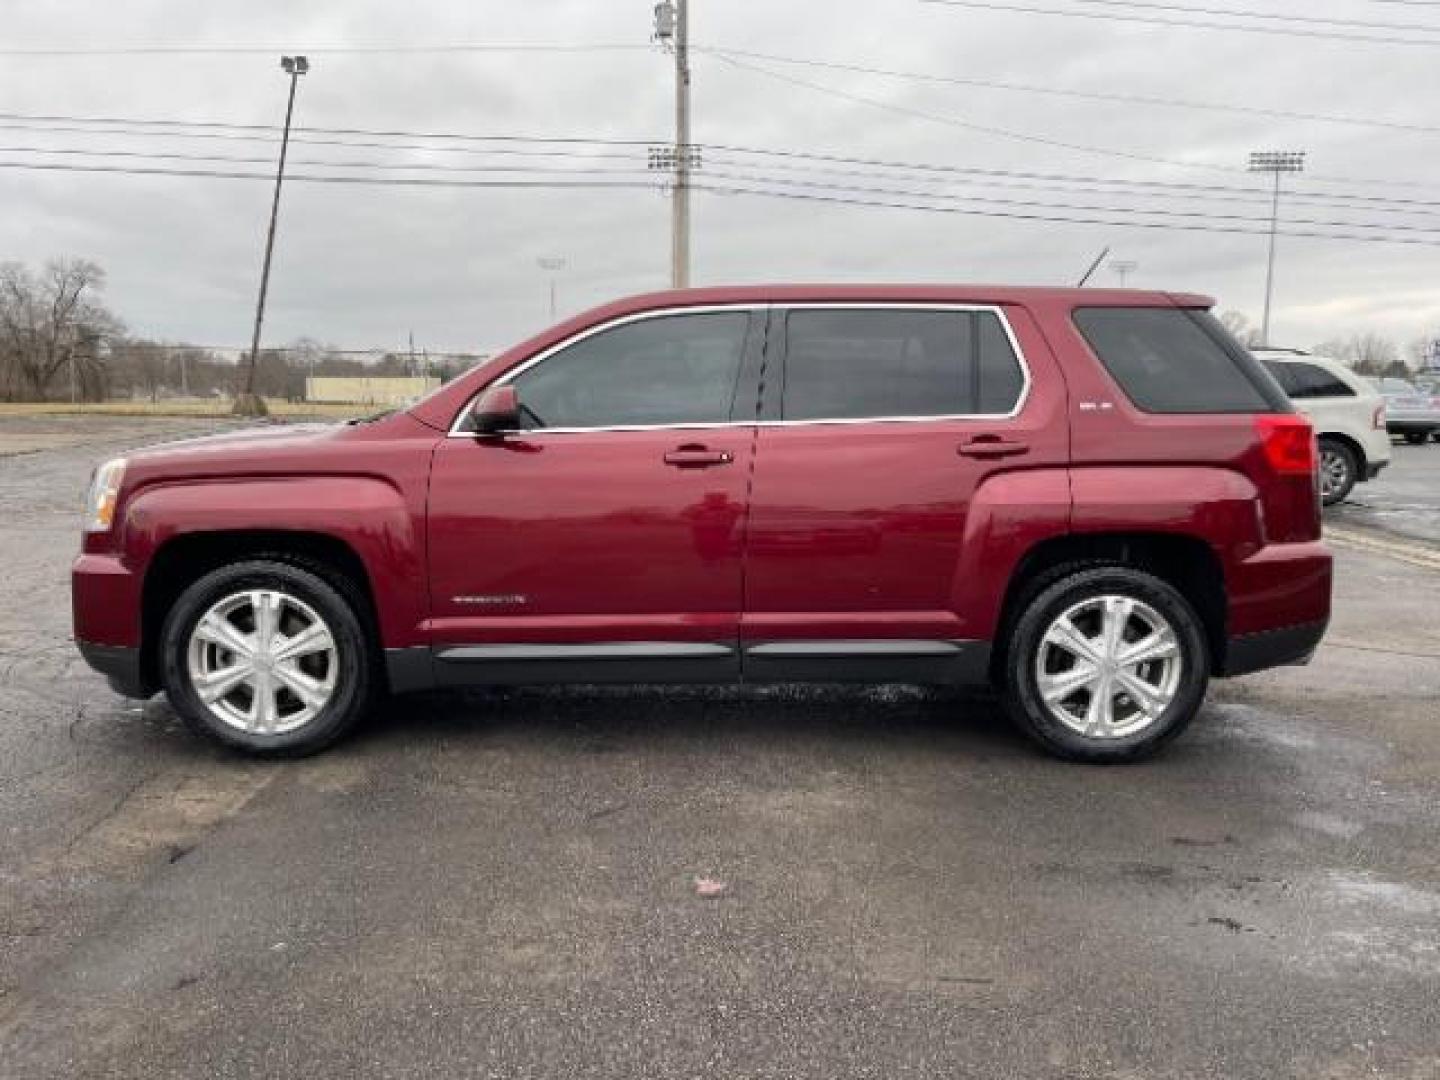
846, 196
1126, 99
968, 125
1282, 17
504, 145
314, 162
270, 50
1153, 212
1111, 16
1065, 219
577, 149
951, 121
737, 158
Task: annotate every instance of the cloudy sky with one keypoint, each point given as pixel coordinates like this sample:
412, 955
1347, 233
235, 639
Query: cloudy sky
362, 265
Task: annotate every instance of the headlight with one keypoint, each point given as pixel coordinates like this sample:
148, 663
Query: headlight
104, 490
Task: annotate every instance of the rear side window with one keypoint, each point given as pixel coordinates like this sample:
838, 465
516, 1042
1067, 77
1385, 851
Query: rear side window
1301, 380
1173, 360
870, 364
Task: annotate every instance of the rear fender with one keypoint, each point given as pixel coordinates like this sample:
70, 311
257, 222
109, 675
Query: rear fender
1009, 514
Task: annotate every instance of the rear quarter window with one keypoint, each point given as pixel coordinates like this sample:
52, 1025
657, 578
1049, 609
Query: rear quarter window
1174, 360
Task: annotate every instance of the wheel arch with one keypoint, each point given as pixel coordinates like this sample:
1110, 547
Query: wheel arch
1185, 562
186, 557
1350, 443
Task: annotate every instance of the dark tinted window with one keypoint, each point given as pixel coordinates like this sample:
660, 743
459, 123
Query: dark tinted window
853, 364
1170, 360
1312, 381
1001, 379
1283, 375
676, 369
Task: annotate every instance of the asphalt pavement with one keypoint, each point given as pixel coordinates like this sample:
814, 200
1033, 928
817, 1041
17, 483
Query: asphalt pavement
514, 883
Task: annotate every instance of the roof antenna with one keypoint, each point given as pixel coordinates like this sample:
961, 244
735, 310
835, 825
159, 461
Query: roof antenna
1093, 267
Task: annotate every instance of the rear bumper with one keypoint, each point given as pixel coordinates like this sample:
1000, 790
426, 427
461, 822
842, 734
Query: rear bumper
120, 664
1272, 648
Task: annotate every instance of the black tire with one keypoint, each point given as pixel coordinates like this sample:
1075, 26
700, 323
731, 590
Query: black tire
1336, 456
1052, 599
1417, 438
330, 596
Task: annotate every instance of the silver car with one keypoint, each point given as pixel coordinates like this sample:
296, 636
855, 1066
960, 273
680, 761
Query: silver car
1409, 411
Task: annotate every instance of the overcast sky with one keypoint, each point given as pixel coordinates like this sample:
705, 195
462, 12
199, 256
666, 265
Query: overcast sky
362, 266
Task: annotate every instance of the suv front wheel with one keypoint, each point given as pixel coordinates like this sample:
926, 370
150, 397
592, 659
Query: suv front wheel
1106, 664
268, 656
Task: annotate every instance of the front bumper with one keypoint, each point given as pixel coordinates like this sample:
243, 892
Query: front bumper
105, 603
120, 664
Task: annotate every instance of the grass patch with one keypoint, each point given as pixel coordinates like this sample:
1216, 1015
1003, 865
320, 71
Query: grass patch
182, 407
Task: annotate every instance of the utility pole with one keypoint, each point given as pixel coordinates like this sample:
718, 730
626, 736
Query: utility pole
552, 266
1274, 162
1123, 268
672, 30
248, 403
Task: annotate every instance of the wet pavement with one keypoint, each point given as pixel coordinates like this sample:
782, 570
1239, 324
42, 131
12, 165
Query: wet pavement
504, 884
1404, 500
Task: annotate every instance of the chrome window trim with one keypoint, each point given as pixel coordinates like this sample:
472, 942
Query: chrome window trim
1027, 380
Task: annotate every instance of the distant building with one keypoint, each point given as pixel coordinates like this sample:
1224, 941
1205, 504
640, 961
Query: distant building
368, 390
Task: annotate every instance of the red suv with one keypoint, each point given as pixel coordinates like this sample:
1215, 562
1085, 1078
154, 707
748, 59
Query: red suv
1094, 500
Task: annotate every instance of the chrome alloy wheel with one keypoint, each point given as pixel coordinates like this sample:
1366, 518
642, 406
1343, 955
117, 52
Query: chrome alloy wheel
1334, 473
263, 662
1108, 667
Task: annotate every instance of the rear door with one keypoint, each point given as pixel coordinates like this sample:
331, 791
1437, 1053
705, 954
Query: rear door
881, 423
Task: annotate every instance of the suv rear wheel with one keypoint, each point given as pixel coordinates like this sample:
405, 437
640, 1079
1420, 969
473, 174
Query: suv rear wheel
1106, 664
1339, 469
268, 657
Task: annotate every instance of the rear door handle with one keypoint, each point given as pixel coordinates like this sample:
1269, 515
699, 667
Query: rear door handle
697, 457
992, 446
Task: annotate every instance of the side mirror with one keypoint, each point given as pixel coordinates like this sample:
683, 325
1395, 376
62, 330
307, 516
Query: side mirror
497, 410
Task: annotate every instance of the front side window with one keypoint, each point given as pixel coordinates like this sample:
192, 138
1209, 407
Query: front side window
847, 364
1171, 360
672, 369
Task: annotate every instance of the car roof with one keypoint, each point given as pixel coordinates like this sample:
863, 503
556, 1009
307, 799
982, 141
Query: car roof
912, 293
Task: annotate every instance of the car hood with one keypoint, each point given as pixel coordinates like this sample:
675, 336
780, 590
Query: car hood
264, 437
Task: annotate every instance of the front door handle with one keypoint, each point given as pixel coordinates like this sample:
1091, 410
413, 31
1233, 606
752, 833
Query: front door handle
693, 456
992, 446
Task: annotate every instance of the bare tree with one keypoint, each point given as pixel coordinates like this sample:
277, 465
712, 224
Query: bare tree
1368, 353
1239, 325
52, 323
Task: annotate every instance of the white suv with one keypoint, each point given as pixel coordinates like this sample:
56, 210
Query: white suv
1348, 414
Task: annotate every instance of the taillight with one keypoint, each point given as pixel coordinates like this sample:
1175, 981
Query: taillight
1289, 443
1378, 420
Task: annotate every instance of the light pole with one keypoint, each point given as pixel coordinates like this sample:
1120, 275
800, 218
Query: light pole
672, 30
552, 266
248, 403
1274, 162
1124, 268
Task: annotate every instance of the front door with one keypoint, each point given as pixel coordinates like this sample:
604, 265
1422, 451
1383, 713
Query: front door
603, 540
889, 419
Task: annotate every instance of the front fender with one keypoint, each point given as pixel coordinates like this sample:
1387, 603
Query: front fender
367, 514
